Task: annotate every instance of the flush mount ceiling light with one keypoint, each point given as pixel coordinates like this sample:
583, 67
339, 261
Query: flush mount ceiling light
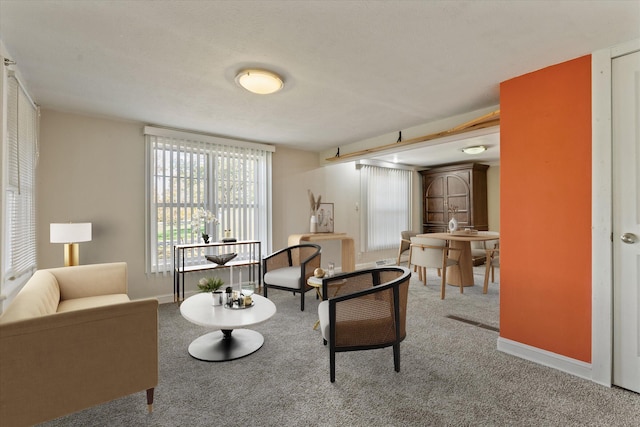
476, 149
259, 81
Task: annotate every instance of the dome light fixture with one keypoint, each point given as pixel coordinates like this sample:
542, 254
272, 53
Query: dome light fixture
261, 82
476, 149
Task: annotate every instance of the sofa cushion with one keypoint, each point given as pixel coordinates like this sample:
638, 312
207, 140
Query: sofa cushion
91, 302
39, 296
287, 277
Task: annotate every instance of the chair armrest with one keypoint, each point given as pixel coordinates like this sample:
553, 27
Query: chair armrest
91, 280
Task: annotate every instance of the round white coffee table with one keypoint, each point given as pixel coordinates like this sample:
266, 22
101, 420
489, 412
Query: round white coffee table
230, 342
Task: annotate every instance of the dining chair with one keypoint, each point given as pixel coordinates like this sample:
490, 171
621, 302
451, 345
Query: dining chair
426, 252
493, 261
405, 242
364, 310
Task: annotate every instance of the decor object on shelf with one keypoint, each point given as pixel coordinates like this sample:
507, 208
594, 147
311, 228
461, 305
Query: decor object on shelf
325, 218
199, 220
262, 82
314, 205
318, 272
70, 234
221, 259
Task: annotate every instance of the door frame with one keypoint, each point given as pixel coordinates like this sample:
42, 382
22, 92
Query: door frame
601, 215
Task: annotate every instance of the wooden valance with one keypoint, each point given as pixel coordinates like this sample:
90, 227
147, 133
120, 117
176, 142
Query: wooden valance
488, 120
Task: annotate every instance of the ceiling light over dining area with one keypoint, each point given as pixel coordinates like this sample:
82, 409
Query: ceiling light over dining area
476, 149
262, 82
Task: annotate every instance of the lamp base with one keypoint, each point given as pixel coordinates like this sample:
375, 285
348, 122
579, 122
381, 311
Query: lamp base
71, 254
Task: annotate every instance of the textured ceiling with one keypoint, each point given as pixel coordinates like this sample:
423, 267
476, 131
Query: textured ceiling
353, 69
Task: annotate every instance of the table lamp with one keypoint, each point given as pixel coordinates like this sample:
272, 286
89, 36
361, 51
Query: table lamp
70, 234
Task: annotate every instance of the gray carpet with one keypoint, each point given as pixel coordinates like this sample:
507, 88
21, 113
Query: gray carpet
451, 375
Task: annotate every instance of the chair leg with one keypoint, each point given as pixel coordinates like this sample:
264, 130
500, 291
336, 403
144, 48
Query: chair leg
424, 275
396, 357
332, 365
443, 283
302, 301
461, 286
486, 279
493, 279
264, 290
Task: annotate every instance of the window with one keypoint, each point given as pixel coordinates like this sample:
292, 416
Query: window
187, 173
386, 206
19, 216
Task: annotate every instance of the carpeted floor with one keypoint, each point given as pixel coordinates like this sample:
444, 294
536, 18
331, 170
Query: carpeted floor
451, 375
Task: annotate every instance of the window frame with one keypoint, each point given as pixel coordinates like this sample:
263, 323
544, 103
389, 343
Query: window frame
218, 154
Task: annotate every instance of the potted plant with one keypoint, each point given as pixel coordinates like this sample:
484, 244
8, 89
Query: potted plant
212, 285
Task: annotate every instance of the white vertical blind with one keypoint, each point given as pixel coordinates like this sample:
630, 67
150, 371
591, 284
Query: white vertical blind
22, 130
186, 172
386, 206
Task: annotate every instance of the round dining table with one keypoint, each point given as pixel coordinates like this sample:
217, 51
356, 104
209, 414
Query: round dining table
462, 240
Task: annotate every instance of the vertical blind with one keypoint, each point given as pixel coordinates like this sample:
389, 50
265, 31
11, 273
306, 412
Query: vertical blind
186, 173
22, 131
386, 206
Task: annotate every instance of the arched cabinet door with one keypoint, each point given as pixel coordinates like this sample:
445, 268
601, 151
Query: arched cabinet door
458, 191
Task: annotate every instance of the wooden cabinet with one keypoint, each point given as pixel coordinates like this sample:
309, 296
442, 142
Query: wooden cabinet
461, 186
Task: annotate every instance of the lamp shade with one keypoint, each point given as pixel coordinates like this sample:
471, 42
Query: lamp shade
70, 232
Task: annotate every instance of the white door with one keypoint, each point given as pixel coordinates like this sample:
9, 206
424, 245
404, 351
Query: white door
626, 220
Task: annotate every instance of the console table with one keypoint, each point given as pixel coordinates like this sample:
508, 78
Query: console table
348, 247
185, 261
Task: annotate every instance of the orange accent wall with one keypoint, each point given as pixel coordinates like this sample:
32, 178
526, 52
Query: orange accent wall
545, 209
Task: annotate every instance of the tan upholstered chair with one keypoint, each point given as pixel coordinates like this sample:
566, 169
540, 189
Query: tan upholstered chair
432, 253
289, 269
478, 248
493, 261
363, 310
405, 242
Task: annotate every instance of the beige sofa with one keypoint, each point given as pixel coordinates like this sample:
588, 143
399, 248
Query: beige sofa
72, 339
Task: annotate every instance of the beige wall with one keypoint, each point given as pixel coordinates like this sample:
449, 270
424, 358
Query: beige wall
93, 169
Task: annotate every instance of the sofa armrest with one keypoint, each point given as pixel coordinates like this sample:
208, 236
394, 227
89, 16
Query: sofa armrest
57, 364
90, 280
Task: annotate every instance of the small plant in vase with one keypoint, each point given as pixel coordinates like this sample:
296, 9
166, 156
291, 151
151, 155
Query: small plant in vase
199, 220
212, 285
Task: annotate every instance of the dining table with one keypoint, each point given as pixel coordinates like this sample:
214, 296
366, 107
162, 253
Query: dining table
462, 241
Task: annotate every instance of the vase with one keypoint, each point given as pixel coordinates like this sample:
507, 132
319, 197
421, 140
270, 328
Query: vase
217, 297
205, 238
313, 224
453, 225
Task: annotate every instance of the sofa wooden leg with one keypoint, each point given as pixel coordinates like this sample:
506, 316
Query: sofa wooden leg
150, 399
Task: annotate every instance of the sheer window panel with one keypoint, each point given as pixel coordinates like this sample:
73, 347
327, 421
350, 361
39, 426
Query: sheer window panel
385, 206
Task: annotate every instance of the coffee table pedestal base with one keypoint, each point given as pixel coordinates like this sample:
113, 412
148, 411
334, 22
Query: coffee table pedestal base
221, 346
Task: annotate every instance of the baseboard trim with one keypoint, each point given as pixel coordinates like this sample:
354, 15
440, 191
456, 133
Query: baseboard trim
543, 357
